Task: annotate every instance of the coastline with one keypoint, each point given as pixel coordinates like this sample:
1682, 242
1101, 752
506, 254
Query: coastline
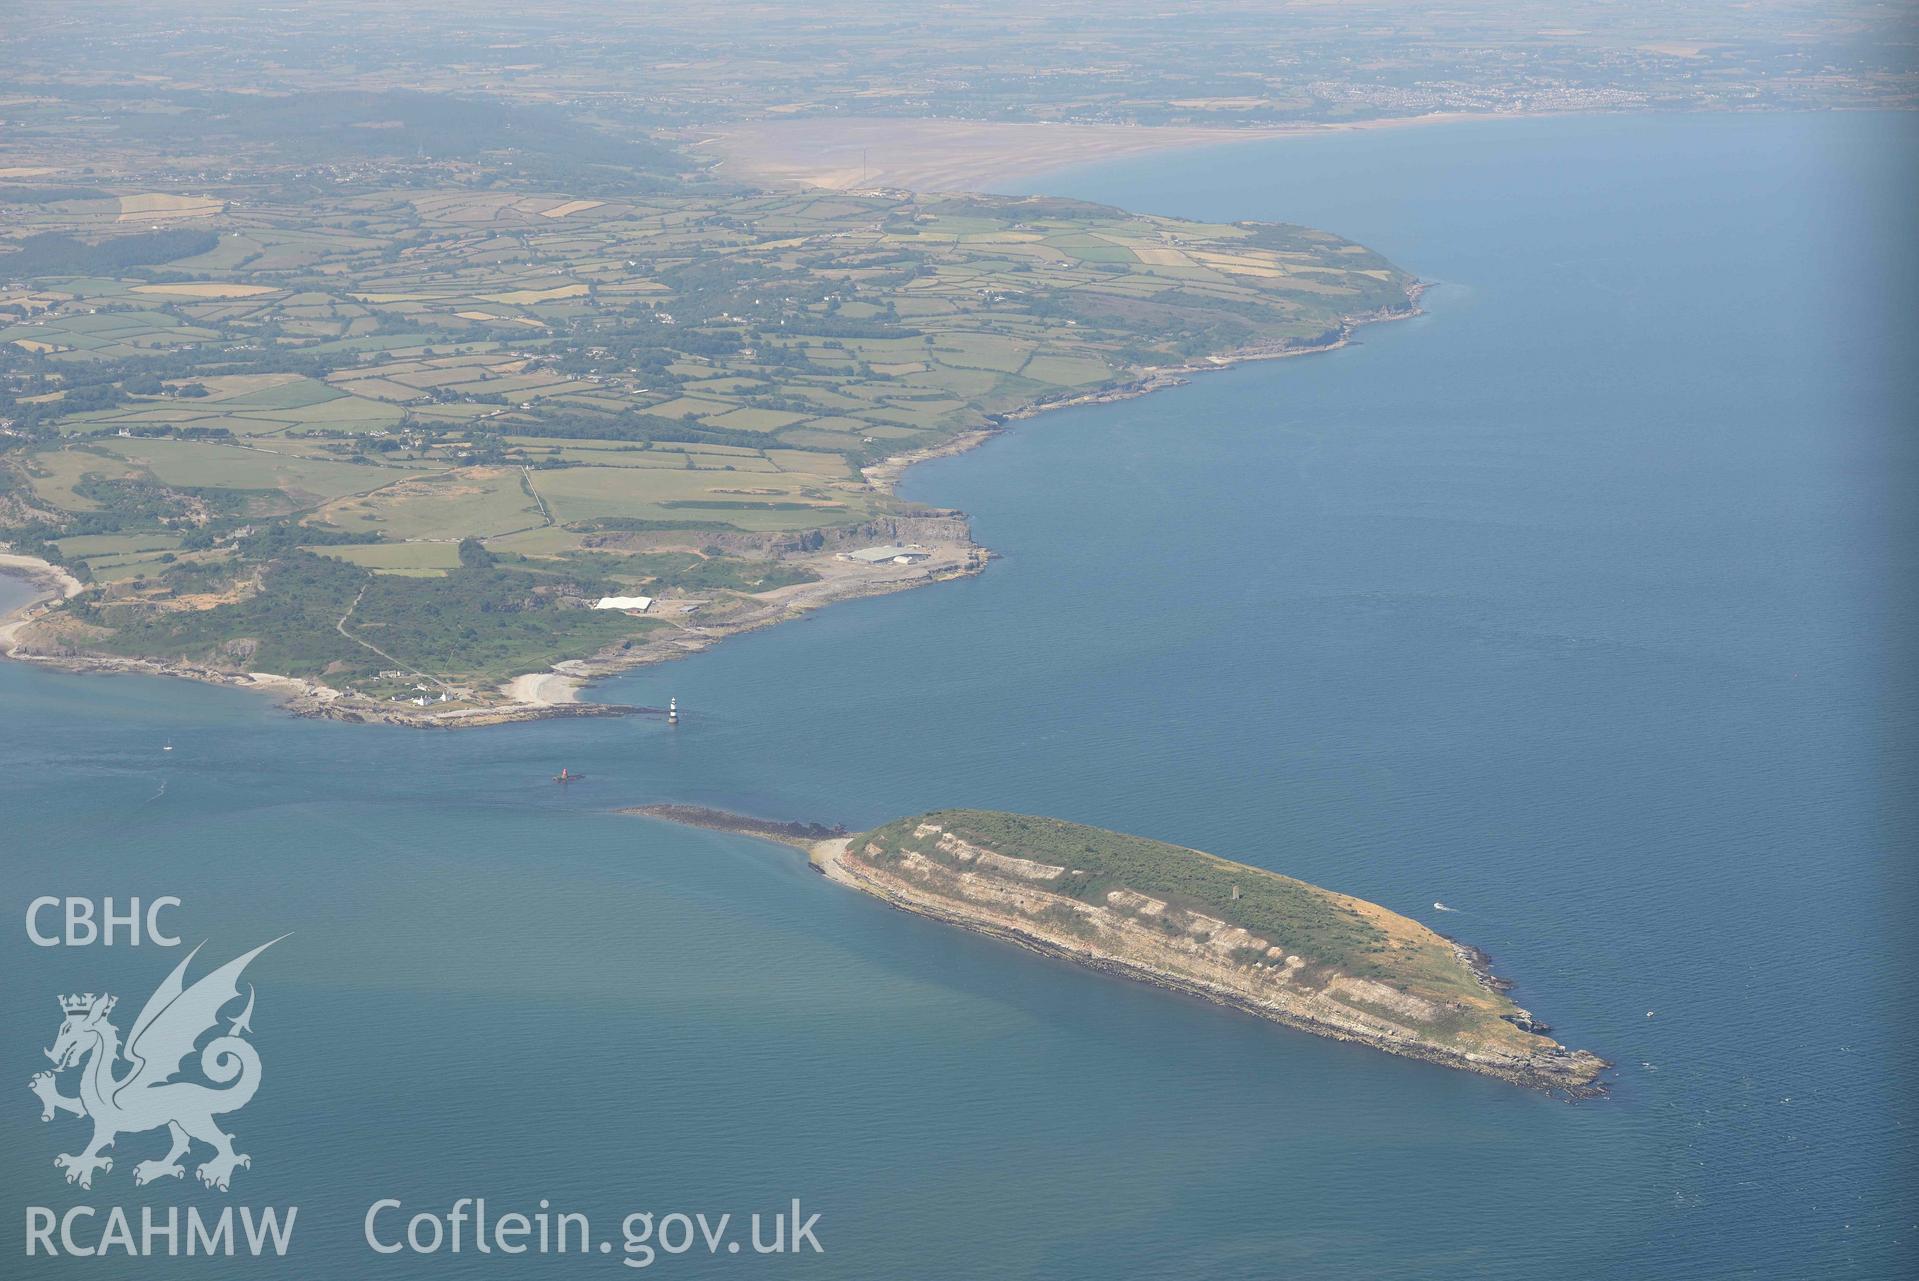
556, 691
805, 837
1560, 1072
48, 581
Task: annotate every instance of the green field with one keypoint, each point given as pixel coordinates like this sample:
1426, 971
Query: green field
398, 558
191, 463
450, 505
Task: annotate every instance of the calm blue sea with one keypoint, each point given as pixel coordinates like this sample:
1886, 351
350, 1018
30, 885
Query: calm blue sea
1571, 604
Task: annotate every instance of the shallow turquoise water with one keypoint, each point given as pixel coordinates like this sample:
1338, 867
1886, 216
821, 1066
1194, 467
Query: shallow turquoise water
1567, 604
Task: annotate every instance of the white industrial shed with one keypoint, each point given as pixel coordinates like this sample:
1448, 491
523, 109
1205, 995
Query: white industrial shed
895, 555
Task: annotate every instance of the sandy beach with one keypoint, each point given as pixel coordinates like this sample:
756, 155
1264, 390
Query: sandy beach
53, 582
857, 153
544, 689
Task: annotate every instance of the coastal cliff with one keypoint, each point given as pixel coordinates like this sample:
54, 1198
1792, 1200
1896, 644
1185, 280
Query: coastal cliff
1241, 936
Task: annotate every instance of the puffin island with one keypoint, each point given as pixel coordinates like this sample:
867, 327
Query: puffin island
1238, 935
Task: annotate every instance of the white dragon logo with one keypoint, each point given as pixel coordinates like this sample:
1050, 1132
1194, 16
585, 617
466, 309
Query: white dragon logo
147, 1097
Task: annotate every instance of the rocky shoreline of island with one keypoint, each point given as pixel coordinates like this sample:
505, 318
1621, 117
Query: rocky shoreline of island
1542, 1065
800, 835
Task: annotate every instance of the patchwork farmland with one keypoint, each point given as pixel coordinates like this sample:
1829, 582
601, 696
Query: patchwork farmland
496, 405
